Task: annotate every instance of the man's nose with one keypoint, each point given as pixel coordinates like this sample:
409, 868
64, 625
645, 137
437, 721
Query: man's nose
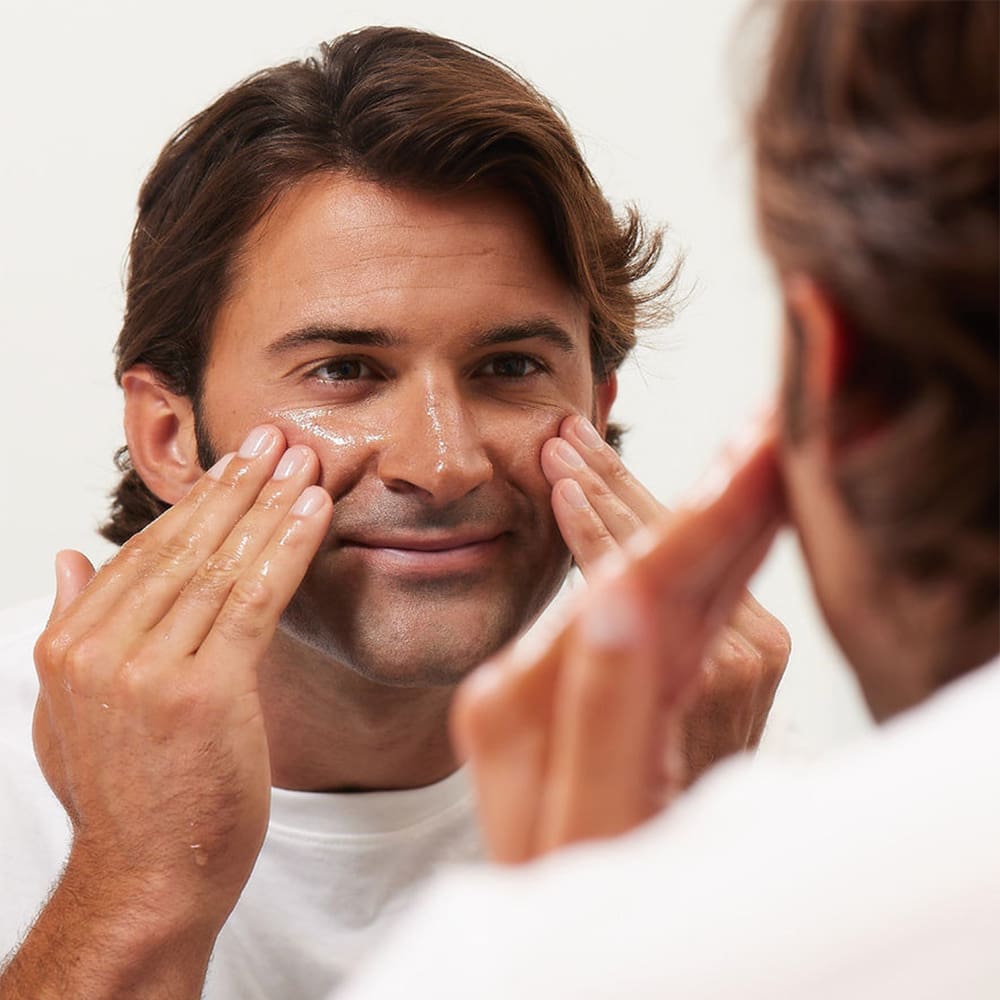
434, 447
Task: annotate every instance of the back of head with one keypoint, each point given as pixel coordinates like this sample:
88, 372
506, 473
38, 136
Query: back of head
876, 149
395, 106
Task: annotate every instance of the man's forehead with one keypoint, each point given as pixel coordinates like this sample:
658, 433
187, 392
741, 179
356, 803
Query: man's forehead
335, 249
336, 211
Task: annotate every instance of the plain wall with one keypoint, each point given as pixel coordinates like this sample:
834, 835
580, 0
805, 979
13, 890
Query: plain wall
654, 90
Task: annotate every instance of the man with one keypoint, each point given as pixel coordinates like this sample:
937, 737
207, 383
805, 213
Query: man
378, 295
873, 873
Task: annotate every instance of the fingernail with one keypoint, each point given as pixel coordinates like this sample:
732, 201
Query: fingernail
294, 460
611, 620
587, 433
569, 455
310, 501
256, 441
220, 467
573, 495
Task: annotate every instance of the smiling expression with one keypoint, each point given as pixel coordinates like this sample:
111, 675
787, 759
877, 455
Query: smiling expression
424, 347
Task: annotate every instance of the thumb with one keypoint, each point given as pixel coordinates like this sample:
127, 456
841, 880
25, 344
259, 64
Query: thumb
73, 572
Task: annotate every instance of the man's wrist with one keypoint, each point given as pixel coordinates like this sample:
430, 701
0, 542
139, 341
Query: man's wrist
107, 935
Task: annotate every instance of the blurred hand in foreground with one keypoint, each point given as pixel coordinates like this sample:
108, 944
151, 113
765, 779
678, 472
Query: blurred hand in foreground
664, 664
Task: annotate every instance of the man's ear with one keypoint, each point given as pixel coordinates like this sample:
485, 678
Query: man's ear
817, 351
605, 393
159, 430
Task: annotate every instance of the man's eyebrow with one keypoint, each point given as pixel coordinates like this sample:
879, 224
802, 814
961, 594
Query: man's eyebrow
344, 335
532, 329
507, 333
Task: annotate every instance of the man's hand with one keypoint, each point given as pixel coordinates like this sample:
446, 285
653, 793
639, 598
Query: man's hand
149, 728
582, 738
599, 505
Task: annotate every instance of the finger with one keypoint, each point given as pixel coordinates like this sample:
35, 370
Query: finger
700, 560
246, 623
764, 633
188, 621
716, 536
500, 722
604, 769
759, 648
561, 461
606, 462
584, 532
135, 589
73, 572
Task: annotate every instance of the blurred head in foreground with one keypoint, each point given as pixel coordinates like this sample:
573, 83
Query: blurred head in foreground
876, 159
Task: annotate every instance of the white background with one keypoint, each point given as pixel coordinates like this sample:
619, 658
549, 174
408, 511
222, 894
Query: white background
656, 92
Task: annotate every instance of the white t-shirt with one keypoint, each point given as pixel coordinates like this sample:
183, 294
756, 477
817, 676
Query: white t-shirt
872, 874
334, 869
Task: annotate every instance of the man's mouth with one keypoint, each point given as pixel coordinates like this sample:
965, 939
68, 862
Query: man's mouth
426, 554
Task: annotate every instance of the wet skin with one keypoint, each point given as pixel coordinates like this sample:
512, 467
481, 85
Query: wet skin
424, 348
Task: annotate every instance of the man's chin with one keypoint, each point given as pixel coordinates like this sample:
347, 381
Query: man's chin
406, 652
407, 633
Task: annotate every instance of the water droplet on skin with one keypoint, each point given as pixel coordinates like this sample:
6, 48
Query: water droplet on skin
200, 855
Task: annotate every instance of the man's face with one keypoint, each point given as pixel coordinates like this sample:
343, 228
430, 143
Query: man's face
425, 347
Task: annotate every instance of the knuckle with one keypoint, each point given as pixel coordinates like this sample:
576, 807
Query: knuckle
617, 471
80, 660
176, 552
777, 647
735, 666
595, 532
216, 575
269, 500
599, 488
246, 612
134, 680
185, 699
50, 648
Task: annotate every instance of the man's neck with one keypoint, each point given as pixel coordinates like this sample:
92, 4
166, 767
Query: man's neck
330, 729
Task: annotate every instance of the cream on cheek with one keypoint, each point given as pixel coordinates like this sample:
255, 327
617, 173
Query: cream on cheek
342, 443
513, 436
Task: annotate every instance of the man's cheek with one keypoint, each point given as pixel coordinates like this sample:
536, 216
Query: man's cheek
342, 446
523, 442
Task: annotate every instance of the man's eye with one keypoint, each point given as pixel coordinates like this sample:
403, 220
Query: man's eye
347, 370
511, 366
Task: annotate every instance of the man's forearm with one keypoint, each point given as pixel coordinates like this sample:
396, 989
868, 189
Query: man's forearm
96, 941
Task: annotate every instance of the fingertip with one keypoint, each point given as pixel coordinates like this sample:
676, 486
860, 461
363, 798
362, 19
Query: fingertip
585, 433
571, 493
473, 707
311, 502
73, 571
615, 621
552, 468
566, 424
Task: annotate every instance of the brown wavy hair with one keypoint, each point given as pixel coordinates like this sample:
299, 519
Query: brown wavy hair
876, 153
393, 105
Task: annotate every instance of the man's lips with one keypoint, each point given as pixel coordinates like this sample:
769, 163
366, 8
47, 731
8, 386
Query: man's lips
426, 554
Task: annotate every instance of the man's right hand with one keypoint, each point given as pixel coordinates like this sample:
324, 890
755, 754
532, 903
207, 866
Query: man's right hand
149, 728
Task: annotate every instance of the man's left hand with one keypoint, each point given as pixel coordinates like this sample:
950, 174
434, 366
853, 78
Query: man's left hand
599, 505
